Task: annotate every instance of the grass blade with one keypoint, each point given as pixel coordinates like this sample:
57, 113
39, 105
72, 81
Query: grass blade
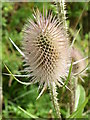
24, 83
68, 78
29, 114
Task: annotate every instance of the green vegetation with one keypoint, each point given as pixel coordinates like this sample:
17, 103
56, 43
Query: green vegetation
19, 101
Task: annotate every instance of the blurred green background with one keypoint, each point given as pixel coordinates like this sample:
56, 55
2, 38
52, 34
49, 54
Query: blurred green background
17, 96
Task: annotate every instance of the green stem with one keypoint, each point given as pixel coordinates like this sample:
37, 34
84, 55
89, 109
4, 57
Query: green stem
53, 94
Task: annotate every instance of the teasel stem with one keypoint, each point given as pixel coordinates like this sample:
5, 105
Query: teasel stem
53, 94
61, 12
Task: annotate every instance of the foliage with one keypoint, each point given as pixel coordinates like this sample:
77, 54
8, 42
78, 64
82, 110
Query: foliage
17, 97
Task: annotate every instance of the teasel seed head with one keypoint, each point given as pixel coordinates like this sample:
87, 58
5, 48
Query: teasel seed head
46, 47
77, 55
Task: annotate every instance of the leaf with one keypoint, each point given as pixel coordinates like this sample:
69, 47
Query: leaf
76, 114
68, 112
68, 78
29, 114
24, 83
75, 37
80, 97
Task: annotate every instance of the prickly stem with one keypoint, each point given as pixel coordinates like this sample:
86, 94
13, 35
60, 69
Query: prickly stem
53, 94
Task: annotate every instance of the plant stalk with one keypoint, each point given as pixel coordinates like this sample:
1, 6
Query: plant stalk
62, 12
54, 94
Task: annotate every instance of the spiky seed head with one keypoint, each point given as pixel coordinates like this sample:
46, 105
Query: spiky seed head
46, 48
77, 55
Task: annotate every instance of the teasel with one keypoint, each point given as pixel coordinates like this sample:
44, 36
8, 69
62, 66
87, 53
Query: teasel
46, 50
77, 68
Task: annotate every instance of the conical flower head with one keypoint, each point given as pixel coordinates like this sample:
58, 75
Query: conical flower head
46, 49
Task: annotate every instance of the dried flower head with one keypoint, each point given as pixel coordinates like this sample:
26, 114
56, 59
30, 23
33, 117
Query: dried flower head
77, 68
46, 49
